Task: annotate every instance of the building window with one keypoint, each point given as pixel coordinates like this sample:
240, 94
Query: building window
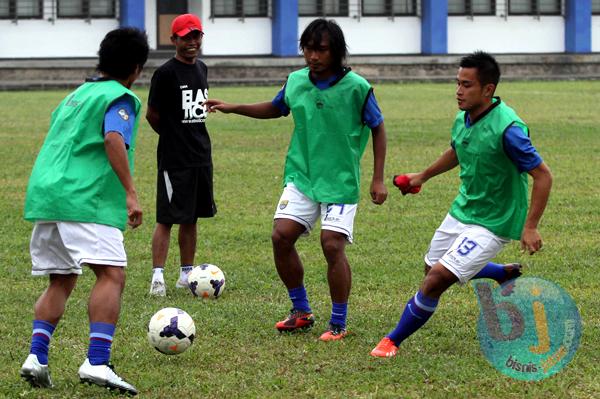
471, 7
239, 8
21, 9
596, 7
534, 7
87, 9
321, 8
389, 8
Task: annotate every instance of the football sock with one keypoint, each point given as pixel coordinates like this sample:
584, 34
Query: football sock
492, 270
416, 313
339, 311
299, 299
101, 337
184, 270
40, 339
157, 273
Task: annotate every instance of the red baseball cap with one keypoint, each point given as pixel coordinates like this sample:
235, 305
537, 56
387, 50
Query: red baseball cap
184, 24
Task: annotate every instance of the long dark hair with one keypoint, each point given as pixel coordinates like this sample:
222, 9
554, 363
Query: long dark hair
313, 34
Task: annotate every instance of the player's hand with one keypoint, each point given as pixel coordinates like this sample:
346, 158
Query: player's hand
378, 192
409, 183
531, 241
134, 212
218, 105
416, 179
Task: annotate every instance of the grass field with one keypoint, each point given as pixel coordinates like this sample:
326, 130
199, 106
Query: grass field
237, 352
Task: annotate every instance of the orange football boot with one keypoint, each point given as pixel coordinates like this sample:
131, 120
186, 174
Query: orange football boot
297, 320
385, 348
334, 333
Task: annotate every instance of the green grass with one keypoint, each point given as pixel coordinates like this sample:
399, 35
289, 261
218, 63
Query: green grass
237, 352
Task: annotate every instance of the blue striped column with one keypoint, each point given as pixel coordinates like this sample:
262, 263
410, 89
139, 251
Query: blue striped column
434, 26
284, 29
578, 26
131, 13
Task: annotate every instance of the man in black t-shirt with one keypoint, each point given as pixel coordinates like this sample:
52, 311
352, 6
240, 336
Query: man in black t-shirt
184, 182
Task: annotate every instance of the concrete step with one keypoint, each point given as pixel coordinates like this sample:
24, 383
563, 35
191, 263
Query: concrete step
27, 74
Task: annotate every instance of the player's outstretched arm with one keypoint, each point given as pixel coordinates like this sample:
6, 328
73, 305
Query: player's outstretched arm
117, 156
448, 160
265, 110
378, 190
531, 239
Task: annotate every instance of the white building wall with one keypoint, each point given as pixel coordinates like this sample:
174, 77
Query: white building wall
515, 34
232, 36
229, 36
30, 38
377, 35
223, 36
596, 33
252, 36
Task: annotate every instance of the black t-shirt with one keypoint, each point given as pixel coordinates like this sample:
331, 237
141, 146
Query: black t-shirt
177, 92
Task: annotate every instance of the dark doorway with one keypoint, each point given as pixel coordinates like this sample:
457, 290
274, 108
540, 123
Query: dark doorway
166, 11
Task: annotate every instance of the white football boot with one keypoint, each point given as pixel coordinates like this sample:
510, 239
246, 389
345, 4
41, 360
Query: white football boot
104, 376
158, 288
183, 280
35, 373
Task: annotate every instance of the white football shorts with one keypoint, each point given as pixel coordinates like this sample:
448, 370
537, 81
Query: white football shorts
64, 247
296, 206
464, 249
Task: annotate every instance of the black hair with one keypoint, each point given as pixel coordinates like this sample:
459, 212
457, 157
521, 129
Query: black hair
122, 51
313, 35
488, 70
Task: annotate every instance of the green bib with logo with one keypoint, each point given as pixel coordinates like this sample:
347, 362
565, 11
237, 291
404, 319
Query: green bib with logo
329, 139
493, 193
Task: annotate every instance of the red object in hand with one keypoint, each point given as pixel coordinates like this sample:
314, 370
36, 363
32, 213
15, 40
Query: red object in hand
403, 183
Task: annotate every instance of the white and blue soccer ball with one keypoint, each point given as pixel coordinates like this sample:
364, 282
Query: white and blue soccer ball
171, 331
206, 281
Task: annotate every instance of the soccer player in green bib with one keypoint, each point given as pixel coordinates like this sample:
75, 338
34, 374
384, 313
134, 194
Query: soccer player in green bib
81, 196
333, 109
491, 145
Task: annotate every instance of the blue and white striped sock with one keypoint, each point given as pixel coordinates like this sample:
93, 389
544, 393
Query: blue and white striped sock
101, 337
416, 313
299, 299
339, 312
40, 339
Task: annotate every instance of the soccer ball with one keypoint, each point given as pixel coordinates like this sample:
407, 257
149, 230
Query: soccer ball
206, 281
171, 331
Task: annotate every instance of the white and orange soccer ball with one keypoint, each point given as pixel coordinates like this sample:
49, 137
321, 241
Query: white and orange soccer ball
171, 331
206, 281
